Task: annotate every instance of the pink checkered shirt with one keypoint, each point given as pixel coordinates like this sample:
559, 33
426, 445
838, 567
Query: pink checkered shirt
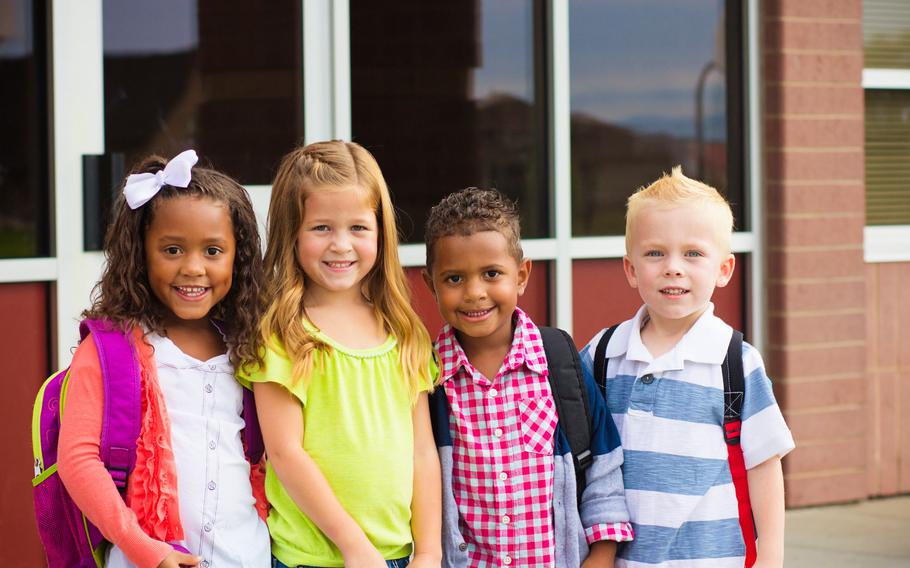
502, 450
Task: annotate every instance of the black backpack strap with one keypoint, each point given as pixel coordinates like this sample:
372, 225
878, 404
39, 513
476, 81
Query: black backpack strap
600, 359
734, 388
572, 407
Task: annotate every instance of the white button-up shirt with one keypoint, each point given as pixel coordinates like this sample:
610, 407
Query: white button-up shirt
217, 508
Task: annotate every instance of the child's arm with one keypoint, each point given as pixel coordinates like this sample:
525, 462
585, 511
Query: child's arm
766, 492
604, 512
281, 421
84, 475
426, 504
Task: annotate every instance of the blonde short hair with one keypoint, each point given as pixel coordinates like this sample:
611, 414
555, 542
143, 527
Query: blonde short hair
676, 189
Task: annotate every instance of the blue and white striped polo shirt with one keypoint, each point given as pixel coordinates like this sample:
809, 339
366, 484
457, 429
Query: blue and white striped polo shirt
678, 485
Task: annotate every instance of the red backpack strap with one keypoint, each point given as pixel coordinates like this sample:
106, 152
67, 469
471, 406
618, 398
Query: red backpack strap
122, 412
734, 392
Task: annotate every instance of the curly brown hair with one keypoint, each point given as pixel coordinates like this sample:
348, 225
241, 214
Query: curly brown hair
123, 294
473, 210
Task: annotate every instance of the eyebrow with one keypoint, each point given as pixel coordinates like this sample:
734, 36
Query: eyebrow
179, 239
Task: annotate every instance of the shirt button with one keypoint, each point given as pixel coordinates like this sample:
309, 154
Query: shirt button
212, 367
212, 485
204, 564
497, 432
493, 392
506, 560
506, 519
208, 527
212, 445
503, 476
647, 379
463, 546
209, 388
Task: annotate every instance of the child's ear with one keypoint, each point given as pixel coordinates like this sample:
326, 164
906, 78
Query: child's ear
726, 270
629, 269
524, 273
428, 280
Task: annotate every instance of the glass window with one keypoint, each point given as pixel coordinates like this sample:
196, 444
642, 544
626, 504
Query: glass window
221, 77
24, 188
452, 94
886, 34
887, 157
649, 92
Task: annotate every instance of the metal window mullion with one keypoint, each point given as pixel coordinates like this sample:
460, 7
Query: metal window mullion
756, 297
561, 176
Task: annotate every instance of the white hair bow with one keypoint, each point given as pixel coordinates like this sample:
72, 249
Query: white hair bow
140, 188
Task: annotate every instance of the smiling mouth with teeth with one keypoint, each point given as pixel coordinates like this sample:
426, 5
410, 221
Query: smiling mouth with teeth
191, 291
343, 264
476, 313
674, 291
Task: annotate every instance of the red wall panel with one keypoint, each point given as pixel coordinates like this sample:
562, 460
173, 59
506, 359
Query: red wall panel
24, 352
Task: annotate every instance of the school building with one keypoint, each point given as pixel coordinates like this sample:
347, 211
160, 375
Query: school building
798, 110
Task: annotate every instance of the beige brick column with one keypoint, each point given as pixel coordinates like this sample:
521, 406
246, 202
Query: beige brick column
814, 183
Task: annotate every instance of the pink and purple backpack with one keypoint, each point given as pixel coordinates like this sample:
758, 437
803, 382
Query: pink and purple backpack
69, 538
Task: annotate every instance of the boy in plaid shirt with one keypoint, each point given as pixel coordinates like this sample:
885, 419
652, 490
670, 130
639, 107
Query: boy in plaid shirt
509, 492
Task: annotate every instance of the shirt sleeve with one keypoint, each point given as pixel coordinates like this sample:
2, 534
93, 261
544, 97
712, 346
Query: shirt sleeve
276, 368
82, 471
603, 509
764, 432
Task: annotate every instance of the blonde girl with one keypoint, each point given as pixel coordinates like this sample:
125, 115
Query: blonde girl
353, 474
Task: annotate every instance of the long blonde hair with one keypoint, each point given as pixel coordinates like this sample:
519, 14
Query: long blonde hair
330, 165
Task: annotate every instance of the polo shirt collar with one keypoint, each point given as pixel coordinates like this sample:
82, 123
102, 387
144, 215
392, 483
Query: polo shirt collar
526, 348
706, 342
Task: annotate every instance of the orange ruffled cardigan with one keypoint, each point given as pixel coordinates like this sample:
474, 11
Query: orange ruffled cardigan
150, 518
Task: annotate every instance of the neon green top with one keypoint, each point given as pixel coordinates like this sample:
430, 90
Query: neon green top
358, 430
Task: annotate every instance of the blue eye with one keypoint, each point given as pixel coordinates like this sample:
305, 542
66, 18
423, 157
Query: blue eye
359, 228
654, 253
694, 253
321, 228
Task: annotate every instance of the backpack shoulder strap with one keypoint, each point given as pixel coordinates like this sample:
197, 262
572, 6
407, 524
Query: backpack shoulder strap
121, 415
734, 388
253, 446
570, 396
600, 359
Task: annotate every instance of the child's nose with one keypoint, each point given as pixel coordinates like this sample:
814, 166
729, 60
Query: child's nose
194, 265
476, 290
341, 241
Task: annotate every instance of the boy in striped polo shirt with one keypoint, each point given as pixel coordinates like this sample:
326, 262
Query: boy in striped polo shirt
509, 492
665, 391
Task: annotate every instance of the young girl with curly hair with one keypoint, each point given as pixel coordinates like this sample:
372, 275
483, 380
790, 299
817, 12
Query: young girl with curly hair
353, 476
182, 278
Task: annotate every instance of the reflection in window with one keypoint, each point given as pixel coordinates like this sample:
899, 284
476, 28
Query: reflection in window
223, 77
24, 211
648, 93
449, 95
886, 34
887, 157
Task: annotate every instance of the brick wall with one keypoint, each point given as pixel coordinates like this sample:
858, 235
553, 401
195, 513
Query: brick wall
813, 121
888, 385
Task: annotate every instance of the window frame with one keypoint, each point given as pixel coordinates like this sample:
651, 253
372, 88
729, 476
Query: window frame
886, 243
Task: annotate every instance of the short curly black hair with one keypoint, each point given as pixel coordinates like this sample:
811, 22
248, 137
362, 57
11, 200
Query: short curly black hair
473, 210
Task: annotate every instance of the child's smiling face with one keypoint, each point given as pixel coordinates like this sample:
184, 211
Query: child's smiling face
189, 255
477, 282
676, 260
338, 241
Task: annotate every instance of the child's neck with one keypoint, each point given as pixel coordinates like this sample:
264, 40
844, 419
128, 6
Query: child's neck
349, 320
486, 354
197, 338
